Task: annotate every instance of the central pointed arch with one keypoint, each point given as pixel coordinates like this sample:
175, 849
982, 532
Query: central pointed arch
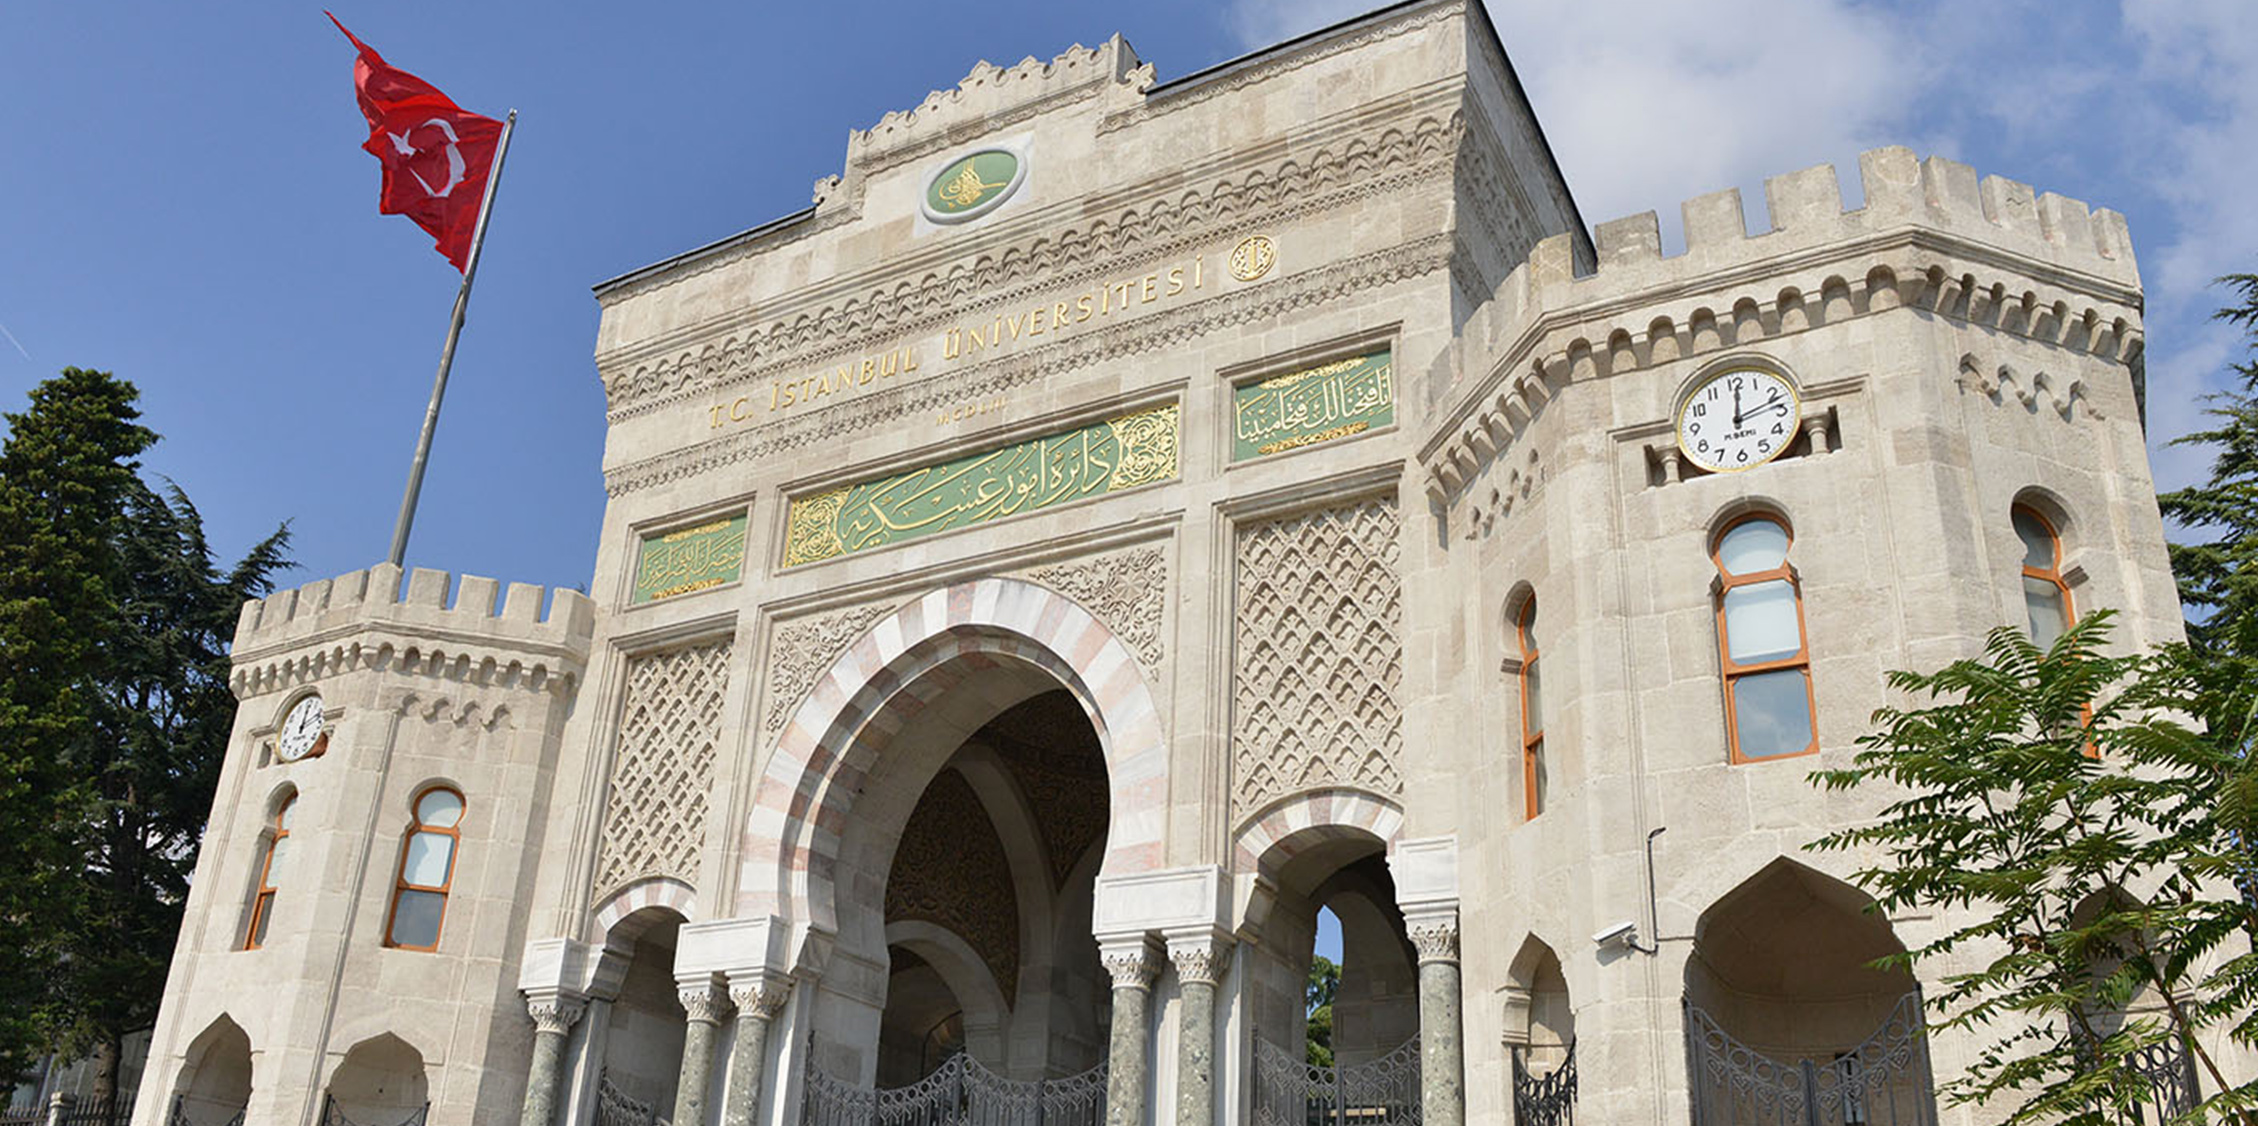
889, 676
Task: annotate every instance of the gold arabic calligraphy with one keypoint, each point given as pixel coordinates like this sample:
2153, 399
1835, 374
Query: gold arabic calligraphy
964, 191
1316, 404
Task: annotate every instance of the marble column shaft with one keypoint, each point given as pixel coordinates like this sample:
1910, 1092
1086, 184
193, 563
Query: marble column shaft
1132, 971
704, 1005
553, 1018
1198, 965
757, 1004
1442, 1055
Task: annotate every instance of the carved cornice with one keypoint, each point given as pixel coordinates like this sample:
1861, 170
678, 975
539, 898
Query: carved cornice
1167, 225
996, 98
1160, 330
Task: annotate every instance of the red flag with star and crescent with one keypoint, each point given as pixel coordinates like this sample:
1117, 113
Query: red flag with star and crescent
436, 155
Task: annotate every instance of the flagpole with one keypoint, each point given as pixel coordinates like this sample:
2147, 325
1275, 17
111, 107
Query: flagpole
447, 354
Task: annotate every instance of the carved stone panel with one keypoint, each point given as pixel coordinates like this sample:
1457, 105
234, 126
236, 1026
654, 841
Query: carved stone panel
801, 650
1125, 590
1317, 661
669, 735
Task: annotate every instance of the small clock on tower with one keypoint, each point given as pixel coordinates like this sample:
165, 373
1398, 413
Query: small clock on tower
302, 733
1738, 418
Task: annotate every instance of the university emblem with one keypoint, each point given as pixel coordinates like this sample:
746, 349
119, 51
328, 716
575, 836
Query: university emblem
973, 185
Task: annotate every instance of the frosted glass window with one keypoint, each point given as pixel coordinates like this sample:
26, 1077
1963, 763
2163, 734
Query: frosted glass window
282, 816
278, 855
1753, 546
263, 915
1534, 700
1540, 778
2038, 540
1760, 622
430, 855
2049, 617
415, 918
1773, 711
440, 809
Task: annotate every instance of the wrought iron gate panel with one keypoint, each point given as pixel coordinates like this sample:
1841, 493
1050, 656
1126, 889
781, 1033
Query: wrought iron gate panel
615, 1107
961, 1092
1884, 1081
1290, 1091
2168, 1068
1547, 1100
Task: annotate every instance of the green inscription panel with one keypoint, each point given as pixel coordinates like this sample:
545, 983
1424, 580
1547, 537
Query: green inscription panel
1316, 404
674, 563
1119, 453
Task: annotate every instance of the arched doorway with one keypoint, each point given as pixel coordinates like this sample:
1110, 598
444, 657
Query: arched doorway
380, 1082
215, 1087
1540, 1032
1788, 1021
1372, 1076
642, 1024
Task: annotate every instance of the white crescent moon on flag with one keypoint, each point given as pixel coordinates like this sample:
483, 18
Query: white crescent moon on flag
455, 164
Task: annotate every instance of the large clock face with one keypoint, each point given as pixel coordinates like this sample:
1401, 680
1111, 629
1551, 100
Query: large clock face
301, 730
1738, 419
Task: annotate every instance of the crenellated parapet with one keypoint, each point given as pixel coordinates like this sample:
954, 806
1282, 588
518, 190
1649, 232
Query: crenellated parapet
361, 620
991, 92
1930, 234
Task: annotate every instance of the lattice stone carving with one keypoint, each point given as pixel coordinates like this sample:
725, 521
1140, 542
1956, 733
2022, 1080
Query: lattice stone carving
1126, 590
1318, 654
950, 869
801, 650
669, 734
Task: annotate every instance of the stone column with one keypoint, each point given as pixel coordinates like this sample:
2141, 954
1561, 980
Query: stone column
1133, 967
758, 999
553, 1017
1442, 1057
704, 1005
1199, 961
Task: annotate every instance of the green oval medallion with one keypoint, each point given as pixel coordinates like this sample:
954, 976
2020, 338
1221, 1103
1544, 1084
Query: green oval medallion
972, 184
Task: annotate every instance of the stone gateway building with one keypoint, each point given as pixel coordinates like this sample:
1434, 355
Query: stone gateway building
1121, 518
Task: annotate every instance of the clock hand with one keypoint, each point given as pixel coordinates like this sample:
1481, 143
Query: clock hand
1736, 407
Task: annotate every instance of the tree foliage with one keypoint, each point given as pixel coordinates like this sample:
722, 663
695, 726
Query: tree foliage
114, 716
2084, 816
2219, 577
1324, 985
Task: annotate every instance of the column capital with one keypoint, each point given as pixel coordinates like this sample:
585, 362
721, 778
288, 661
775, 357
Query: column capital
554, 1011
1130, 961
1434, 934
702, 999
759, 994
1199, 954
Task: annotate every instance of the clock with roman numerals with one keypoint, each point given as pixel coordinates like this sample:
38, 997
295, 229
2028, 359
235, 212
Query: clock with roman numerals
1738, 419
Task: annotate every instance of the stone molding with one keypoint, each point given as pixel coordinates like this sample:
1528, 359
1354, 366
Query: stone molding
554, 1014
1293, 186
1146, 334
2031, 389
1930, 236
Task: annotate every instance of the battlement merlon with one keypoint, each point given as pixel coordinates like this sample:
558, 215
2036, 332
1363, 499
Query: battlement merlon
991, 91
362, 612
2074, 281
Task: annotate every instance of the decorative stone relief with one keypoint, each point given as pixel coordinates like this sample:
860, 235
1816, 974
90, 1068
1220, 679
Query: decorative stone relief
950, 870
1126, 590
1130, 969
669, 734
802, 649
1434, 938
1318, 654
703, 1003
555, 1015
763, 997
1053, 755
1202, 963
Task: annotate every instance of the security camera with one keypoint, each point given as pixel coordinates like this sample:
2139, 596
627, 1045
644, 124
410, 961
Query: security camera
1625, 934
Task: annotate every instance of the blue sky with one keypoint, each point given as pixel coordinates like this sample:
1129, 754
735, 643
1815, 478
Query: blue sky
186, 203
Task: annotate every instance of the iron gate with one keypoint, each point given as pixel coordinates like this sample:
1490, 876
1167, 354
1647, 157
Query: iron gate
2168, 1068
961, 1092
1544, 1100
615, 1107
1884, 1081
332, 1116
1290, 1091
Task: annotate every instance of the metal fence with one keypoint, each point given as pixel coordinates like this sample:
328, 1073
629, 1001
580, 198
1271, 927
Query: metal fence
614, 1107
1884, 1081
331, 1115
179, 1116
961, 1092
1291, 1091
1544, 1100
2168, 1070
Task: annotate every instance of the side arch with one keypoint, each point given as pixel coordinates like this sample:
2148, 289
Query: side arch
906, 661
1304, 820
654, 891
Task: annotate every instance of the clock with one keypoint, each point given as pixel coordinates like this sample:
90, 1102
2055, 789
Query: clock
302, 735
1738, 419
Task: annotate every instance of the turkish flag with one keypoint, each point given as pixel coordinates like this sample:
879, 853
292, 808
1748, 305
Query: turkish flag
436, 155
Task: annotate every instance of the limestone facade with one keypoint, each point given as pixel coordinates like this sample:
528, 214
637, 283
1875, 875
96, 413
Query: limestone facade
980, 545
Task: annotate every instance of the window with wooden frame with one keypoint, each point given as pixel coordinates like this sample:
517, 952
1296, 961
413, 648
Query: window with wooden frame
1769, 707
273, 849
427, 871
1533, 779
2047, 606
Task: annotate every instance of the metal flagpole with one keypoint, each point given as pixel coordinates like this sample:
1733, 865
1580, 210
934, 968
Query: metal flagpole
447, 354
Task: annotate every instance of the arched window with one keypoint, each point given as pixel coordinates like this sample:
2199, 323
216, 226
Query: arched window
274, 849
1768, 700
427, 871
1533, 780
2046, 598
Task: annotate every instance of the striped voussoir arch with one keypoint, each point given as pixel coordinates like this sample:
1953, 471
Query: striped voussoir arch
1303, 820
656, 891
899, 667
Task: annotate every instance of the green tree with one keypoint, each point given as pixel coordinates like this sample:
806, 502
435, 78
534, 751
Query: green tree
126, 775
2083, 816
1324, 984
2220, 576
